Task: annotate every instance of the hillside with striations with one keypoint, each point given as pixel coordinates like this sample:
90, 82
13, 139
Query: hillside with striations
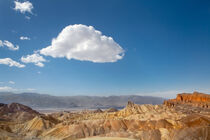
184, 120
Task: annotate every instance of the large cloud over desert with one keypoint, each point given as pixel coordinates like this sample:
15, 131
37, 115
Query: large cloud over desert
84, 43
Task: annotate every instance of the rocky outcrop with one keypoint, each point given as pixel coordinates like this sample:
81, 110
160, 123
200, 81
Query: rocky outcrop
17, 112
15, 107
111, 110
97, 111
195, 99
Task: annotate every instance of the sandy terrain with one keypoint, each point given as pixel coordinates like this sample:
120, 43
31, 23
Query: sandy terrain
106, 138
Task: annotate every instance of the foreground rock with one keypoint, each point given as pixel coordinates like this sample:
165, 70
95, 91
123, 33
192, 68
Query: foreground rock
145, 122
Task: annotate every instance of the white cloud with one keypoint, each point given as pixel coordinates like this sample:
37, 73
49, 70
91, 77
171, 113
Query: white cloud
9, 45
84, 43
24, 38
30, 89
39, 64
27, 17
6, 88
1, 43
11, 82
11, 89
34, 58
11, 63
23, 7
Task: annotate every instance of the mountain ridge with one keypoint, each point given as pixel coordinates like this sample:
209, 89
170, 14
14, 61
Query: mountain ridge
36, 100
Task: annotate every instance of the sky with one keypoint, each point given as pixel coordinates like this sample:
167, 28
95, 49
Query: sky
106, 47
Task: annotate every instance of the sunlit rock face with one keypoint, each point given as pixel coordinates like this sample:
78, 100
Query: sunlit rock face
176, 119
194, 99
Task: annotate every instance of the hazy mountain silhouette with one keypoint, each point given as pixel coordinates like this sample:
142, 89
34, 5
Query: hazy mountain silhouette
49, 101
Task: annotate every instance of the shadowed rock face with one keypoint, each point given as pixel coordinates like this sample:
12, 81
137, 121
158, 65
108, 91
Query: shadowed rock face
111, 110
15, 107
16, 112
194, 99
145, 122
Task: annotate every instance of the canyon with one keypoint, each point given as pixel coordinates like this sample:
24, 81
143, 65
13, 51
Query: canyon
185, 118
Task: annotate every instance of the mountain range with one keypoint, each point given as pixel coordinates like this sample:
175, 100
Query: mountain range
36, 100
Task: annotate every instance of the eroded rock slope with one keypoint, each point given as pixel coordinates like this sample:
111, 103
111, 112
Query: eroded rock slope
183, 118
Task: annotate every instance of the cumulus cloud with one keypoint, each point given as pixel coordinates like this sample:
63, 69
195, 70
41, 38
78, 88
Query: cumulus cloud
9, 45
84, 43
11, 82
11, 63
24, 38
34, 58
23, 7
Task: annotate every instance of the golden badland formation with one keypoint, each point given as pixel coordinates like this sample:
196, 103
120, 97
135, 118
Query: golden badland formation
185, 118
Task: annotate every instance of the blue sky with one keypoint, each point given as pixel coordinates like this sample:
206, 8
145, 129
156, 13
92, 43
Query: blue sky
157, 48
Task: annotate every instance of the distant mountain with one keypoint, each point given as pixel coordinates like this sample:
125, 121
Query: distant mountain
36, 100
